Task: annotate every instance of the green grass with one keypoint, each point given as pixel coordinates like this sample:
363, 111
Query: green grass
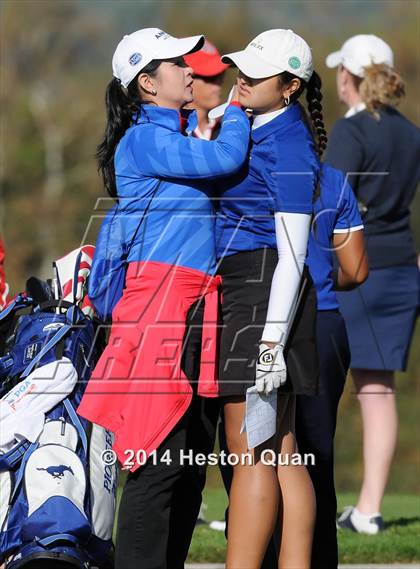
399, 543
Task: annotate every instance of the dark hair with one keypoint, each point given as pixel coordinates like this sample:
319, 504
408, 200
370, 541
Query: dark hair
121, 104
313, 99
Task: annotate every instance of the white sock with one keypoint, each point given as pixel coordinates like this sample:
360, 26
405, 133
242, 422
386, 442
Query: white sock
362, 522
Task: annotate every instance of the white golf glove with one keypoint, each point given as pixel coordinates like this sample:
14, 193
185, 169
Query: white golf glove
271, 368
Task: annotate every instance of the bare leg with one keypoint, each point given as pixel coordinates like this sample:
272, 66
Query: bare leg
297, 519
253, 498
376, 394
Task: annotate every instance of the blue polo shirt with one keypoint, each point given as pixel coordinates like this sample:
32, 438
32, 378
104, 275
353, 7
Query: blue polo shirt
280, 175
335, 211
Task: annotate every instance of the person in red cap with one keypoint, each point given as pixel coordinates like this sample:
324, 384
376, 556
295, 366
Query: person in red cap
208, 78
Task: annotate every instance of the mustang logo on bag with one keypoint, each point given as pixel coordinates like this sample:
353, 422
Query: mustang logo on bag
58, 471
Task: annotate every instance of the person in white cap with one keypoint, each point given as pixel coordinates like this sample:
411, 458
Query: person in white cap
144, 386
379, 149
359, 53
262, 231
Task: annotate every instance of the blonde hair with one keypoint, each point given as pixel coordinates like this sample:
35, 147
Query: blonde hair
381, 86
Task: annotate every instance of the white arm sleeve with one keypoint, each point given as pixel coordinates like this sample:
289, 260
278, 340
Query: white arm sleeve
292, 233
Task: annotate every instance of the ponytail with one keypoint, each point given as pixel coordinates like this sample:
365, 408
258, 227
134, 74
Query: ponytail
121, 105
381, 86
119, 111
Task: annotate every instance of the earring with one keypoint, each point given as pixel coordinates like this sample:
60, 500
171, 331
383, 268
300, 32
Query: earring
287, 100
154, 92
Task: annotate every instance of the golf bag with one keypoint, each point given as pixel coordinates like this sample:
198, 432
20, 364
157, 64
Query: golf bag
57, 493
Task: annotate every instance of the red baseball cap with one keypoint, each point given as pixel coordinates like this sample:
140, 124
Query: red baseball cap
207, 61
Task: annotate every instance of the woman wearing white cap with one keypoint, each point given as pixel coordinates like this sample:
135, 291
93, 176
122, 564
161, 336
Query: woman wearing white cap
262, 233
142, 389
379, 149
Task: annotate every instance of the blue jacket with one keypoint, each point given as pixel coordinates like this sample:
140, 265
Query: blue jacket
179, 226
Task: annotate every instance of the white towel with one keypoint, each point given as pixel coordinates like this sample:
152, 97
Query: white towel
23, 408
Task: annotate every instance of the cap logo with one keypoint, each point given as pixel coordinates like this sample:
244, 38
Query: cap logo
294, 62
162, 34
257, 44
135, 58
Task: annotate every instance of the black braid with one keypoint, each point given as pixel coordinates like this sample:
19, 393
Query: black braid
316, 124
314, 98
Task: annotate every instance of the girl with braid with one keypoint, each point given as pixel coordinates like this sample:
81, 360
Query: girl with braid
337, 229
268, 336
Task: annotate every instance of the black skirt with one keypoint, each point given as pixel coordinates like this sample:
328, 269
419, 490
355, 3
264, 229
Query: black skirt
247, 280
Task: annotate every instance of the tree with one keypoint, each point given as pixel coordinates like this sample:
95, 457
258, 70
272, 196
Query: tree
46, 93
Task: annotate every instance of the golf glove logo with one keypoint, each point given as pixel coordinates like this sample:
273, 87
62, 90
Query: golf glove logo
271, 370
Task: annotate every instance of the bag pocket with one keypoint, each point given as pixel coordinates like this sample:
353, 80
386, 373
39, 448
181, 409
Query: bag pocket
55, 486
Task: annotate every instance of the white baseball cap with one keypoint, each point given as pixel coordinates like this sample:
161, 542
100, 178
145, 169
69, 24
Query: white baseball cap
359, 52
273, 52
138, 49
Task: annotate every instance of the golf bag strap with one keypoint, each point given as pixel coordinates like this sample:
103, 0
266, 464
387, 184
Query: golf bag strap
77, 423
21, 471
20, 301
11, 458
50, 344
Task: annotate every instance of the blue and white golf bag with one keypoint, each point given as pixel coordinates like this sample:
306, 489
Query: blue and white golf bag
57, 493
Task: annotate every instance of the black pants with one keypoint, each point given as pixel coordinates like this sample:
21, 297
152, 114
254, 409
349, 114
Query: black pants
316, 418
161, 500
